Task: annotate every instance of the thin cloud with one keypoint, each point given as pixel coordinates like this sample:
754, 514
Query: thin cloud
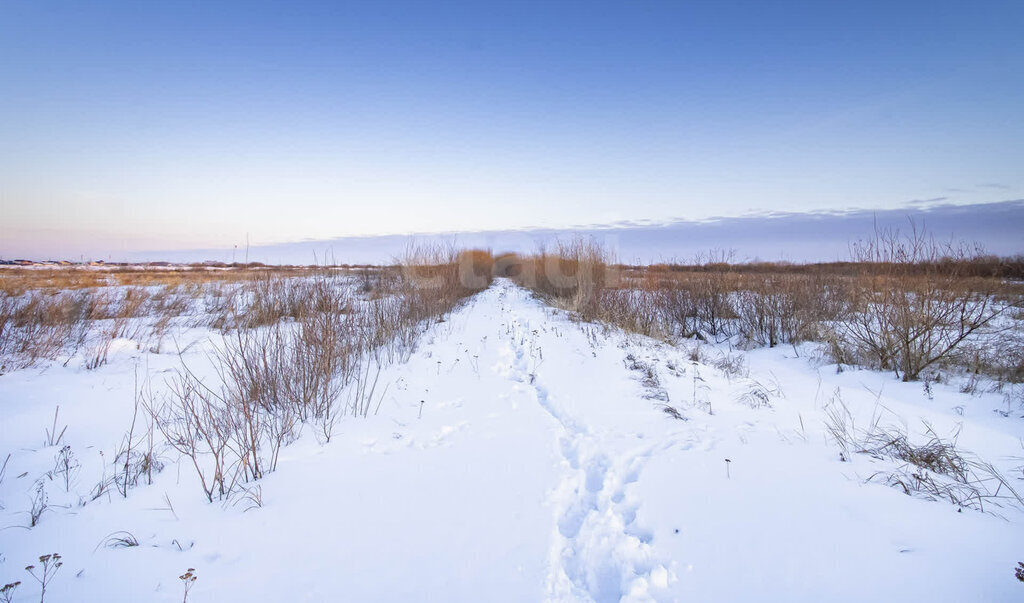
927, 201
791, 236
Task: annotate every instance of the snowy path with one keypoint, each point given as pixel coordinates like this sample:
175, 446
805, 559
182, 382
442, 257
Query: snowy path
518, 456
597, 552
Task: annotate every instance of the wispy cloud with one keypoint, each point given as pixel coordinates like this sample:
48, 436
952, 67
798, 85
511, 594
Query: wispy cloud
792, 236
931, 201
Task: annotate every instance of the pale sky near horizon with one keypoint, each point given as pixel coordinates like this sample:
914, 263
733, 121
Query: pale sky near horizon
138, 125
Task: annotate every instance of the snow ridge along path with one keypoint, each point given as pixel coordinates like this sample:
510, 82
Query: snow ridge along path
520, 455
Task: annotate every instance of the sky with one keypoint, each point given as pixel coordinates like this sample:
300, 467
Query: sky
130, 127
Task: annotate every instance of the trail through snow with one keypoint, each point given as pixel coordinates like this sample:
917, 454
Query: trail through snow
597, 552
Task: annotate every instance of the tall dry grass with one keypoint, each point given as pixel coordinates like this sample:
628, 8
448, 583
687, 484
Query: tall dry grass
574, 274
57, 314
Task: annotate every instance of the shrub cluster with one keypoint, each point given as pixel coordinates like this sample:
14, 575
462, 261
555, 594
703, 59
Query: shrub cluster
906, 303
276, 376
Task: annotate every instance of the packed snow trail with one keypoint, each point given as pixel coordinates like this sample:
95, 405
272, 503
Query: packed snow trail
596, 551
518, 455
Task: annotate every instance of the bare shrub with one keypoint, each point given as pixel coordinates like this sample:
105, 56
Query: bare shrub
679, 305
776, 309
915, 308
714, 304
194, 422
270, 380
289, 348
262, 393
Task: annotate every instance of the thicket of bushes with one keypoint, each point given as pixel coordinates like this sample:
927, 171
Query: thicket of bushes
906, 303
275, 377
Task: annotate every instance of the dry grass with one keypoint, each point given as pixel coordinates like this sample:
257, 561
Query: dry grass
52, 314
935, 468
17, 280
574, 275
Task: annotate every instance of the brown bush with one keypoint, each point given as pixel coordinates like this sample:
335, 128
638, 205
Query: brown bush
574, 275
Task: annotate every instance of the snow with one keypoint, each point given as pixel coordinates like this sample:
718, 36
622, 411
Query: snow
520, 455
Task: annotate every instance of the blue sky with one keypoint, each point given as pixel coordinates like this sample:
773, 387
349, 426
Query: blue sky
143, 125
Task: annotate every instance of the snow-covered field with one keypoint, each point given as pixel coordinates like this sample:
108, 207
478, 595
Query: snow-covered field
520, 455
